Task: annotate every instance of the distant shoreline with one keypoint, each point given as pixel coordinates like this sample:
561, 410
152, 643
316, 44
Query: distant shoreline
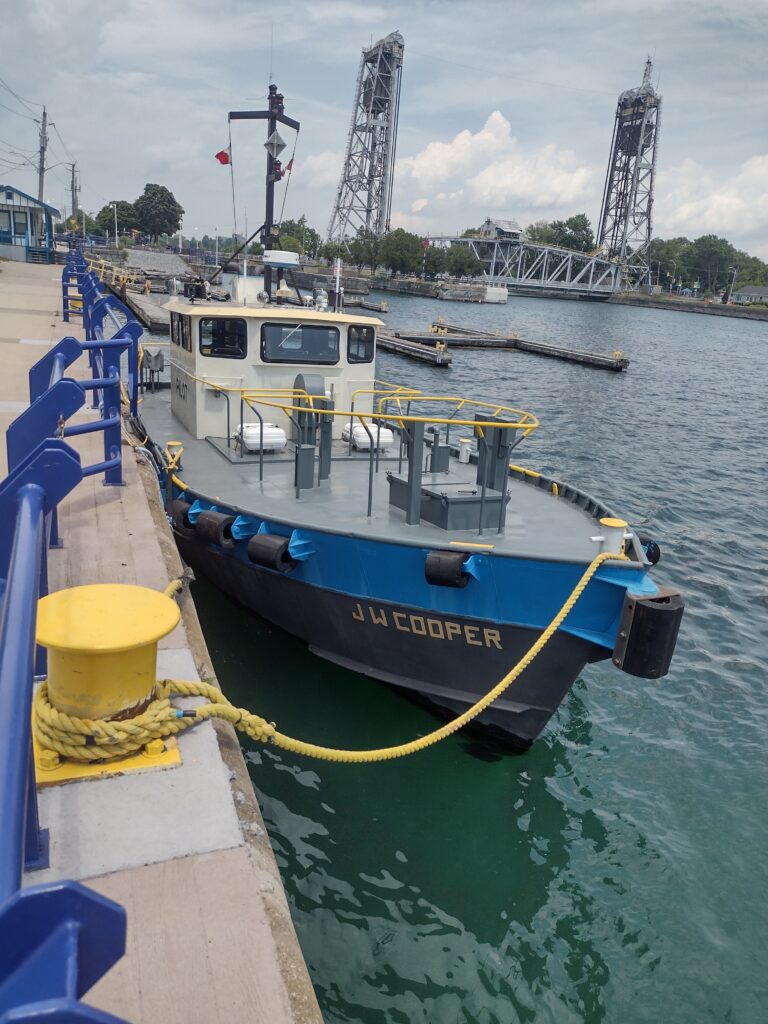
689, 306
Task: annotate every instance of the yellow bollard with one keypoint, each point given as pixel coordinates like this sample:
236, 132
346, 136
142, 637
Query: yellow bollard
102, 647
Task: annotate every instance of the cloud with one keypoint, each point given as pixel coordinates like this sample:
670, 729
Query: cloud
490, 169
418, 205
693, 203
319, 170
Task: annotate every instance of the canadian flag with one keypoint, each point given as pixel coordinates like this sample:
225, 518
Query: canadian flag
224, 156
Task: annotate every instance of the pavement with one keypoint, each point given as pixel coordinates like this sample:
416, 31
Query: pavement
183, 849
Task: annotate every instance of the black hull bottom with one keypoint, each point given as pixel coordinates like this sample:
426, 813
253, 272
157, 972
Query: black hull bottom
450, 660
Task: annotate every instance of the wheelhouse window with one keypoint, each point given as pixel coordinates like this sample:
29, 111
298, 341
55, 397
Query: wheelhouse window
224, 337
175, 329
181, 331
361, 344
299, 343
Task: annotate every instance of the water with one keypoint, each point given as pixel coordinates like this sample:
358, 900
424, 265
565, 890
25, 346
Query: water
617, 872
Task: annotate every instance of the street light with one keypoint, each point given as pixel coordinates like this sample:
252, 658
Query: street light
674, 275
735, 271
114, 207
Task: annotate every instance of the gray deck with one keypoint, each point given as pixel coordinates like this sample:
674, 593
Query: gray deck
538, 524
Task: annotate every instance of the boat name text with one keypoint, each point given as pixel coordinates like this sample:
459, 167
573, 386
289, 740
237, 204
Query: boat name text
421, 625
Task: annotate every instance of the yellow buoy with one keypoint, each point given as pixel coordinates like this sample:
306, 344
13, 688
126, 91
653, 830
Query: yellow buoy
102, 646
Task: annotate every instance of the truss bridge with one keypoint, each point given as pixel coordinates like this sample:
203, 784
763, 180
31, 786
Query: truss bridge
532, 268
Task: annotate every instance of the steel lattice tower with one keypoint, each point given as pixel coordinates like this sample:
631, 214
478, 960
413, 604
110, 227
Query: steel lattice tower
364, 195
626, 214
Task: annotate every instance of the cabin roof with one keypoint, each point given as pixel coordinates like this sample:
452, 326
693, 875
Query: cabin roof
30, 200
268, 312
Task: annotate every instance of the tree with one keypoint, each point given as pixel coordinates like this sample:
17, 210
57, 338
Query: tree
435, 261
157, 211
365, 249
75, 224
126, 217
540, 232
401, 251
462, 262
332, 251
574, 233
309, 240
289, 244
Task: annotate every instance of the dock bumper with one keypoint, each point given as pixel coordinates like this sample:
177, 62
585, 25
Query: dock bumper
647, 634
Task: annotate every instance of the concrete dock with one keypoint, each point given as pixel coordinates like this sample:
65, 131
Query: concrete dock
184, 849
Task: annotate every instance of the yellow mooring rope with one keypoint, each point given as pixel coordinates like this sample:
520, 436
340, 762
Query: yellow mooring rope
83, 739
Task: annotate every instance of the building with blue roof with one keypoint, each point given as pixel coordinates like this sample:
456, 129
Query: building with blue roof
26, 227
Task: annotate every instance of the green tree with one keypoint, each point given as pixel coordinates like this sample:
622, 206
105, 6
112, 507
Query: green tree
462, 262
574, 233
365, 250
289, 244
126, 217
310, 242
333, 250
157, 211
402, 252
540, 232
75, 224
435, 261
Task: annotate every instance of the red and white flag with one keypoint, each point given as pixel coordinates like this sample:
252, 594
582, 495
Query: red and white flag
224, 156
287, 169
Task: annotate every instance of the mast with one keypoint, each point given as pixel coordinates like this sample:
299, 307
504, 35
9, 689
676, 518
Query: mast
274, 146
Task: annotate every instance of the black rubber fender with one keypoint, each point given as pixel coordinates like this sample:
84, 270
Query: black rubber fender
650, 547
179, 513
270, 551
215, 527
446, 569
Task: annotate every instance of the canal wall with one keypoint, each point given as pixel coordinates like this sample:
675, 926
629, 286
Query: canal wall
183, 849
689, 306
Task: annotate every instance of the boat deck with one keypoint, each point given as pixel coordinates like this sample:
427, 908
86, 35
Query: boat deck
539, 524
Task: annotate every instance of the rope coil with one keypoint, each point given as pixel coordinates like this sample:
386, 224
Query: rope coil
83, 739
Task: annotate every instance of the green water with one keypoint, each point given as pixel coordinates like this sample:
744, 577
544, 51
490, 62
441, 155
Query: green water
617, 872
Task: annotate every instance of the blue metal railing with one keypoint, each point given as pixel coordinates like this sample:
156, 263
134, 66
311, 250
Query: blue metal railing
57, 939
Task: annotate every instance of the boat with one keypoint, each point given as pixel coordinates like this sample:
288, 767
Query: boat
392, 531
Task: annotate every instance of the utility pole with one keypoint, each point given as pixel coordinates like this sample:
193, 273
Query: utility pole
41, 160
74, 188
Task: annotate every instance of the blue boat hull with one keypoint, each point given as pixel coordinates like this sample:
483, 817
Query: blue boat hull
446, 656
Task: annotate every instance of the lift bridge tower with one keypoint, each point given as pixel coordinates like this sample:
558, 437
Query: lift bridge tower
626, 215
364, 195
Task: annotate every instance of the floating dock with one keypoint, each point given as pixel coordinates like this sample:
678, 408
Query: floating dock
459, 335
435, 353
183, 848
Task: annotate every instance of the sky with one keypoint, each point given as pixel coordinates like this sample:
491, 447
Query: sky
506, 107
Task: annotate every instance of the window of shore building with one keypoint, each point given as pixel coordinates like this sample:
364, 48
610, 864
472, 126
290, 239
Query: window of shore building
299, 343
360, 344
224, 337
19, 223
5, 222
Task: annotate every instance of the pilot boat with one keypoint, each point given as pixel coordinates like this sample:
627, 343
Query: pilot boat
390, 530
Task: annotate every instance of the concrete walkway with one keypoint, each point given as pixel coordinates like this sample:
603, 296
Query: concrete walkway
183, 849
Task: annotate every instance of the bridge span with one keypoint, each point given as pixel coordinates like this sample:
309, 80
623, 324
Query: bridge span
543, 269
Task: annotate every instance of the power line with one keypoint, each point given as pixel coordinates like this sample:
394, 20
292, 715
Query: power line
17, 113
58, 133
19, 98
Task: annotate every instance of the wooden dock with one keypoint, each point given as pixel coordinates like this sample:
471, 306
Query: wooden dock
457, 335
433, 353
147, 311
